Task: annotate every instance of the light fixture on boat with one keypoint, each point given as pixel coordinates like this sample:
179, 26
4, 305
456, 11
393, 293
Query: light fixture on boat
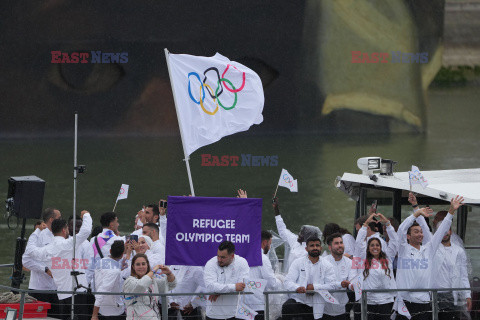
387, 167
369, 164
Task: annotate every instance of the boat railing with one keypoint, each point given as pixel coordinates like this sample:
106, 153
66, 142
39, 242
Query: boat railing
271, 299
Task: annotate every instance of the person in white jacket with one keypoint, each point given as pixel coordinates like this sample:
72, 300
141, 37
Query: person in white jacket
342, 266
376, 272
59, 255
451, 266
146, 280
108, 278
224, 273
309, 273
265, 272
416, 261
296, 243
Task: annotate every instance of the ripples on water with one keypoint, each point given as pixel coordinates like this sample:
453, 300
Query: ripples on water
153, 168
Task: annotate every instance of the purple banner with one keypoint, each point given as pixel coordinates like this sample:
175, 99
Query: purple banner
197, 225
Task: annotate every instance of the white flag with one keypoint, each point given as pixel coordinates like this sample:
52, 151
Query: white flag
357, 287
286, 180
123, 193
245, 312
215, 97
257, 286
401, 308
416, 177
327, 296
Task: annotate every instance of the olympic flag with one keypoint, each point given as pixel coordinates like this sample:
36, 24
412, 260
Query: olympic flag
123, 193
416, 177
286, 180
214, 98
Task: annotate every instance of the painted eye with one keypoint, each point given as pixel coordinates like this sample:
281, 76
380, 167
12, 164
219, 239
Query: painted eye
85, 78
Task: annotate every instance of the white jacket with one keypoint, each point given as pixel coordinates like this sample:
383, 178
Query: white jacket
342, 272
145, 307
297, 249
221, 280
415, 267
108, 278
303, 272
39, 280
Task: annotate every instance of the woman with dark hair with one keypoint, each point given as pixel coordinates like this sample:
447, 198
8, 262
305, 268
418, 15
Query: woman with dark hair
375, 272
347, 238
159, 279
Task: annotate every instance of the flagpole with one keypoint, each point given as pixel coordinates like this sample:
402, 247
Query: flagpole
275, 191
115, 205
180, 125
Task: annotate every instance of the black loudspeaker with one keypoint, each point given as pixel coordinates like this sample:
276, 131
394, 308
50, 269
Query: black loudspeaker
25, 195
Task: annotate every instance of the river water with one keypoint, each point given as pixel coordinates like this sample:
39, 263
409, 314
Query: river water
153, 168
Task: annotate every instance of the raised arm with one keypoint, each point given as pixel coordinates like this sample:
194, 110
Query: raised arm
284, 233
361, 241
427, 235
392, 246
445, 225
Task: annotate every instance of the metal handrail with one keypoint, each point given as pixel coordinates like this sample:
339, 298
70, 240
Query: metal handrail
164, 296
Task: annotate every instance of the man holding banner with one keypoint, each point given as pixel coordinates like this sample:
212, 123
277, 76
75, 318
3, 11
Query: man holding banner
224, 273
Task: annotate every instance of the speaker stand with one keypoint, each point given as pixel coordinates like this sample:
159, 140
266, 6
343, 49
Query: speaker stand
18, 276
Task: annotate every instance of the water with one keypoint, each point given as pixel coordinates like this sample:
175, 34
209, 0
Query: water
153, 168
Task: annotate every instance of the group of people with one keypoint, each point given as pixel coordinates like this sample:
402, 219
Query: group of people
407, 257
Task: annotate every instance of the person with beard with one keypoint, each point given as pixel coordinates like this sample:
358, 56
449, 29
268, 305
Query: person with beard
342, 266
308, 273
59, 255
450, 271
224, 273
415, 261
265, 271
295, 242
347, 238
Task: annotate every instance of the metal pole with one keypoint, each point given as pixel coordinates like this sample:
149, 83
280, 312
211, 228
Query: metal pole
364, 306
266, 316
74, 212
164, 307
22, 305
434, 305
180, 125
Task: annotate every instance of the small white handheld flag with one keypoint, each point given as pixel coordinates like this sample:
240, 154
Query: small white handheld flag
327, 296
286, 180
416, 177
357, 286
401, 308
257, 286
245, 312
123, 193
214, 97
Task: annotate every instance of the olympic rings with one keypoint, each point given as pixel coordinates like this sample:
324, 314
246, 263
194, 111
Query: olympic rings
242, 310
218, 77
190, 90
234, 102
201, 101
218, 91
243, 81
254, 285
287, 180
